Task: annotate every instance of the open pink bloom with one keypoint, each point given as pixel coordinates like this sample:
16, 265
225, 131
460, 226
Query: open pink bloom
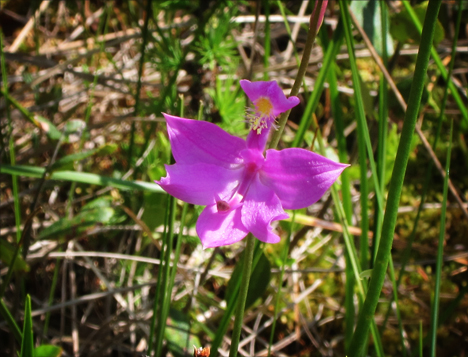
243, 190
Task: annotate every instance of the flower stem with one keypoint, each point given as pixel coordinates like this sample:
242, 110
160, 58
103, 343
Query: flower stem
301, 72
244, 288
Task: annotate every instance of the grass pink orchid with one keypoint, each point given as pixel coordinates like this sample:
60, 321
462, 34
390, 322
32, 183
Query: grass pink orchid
243, 189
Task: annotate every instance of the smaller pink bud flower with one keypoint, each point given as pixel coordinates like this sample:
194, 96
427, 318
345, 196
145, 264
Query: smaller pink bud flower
269, 101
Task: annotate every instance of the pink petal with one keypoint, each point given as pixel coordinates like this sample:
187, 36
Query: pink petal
200, 184
194, 141
258, 141
271, 90
299, 177
216, 229
261, 206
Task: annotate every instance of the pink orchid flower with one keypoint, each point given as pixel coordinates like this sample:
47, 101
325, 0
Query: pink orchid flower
243, 189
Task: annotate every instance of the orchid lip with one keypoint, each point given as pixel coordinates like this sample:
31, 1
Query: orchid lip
253, 162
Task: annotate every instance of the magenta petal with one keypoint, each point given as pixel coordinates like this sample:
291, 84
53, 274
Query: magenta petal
200, 184
194, 141
258, 141
299, 177
261, 206
216, 229
272, 91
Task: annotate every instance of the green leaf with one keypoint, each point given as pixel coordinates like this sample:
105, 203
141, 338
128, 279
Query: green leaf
49, 128
6, 255
155, 208
27, 345
259, 279
404, 30
48, 351
79, 224
83, 177
367, 13
177, 333
365, 274
104, 201
41, 122
73, 130
68, 161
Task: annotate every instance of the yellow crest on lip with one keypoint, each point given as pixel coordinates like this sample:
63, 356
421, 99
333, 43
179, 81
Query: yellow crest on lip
263, 115
264, 107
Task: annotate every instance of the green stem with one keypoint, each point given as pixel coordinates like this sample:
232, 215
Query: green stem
300, 73
383, 128
312, 103
428, 175
144, 35
11, 144
384, 252
244, 288
266, 45
364, 142
231, 303
347, 202
10, 321
280, 282
440, 253
157, 294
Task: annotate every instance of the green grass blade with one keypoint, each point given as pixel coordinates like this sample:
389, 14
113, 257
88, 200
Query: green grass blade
267, 39
440, 65
81, 177
231, 304
158, 293
347, 202
280, 283
41, 122
11, 145
351, 258
311, 34
383, 127
27, 344
440, 253
364, 144
421, 338
362, 140
384, 252
10, 321
51, 296
145, 36
312, 104
397, 307
165, 292
103, 24
244, 288
428, 175
166, 284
